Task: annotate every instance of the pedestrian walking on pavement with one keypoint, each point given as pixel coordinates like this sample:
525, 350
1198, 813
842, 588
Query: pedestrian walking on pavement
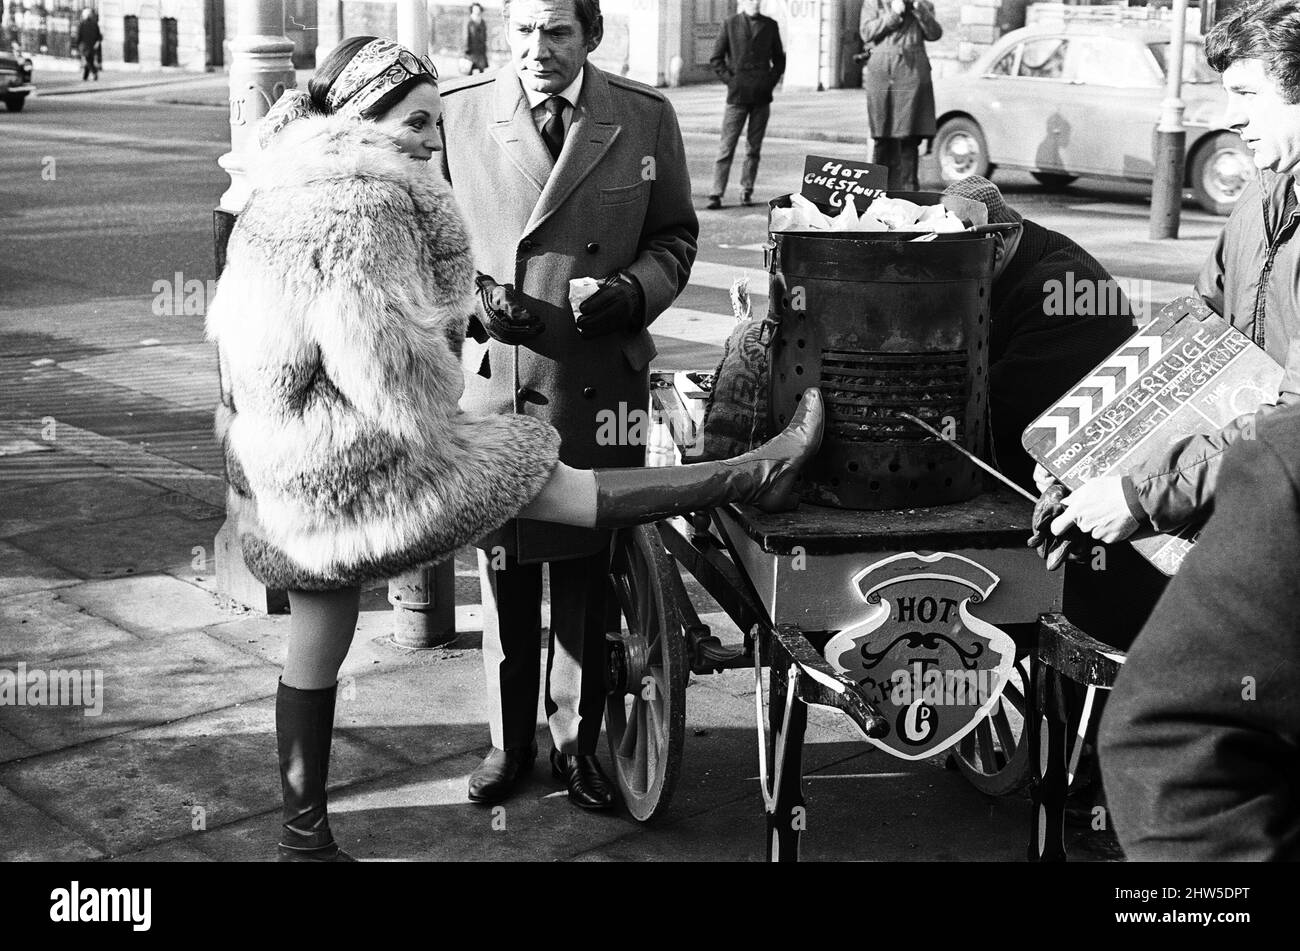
900, 95
339, 320
476, 41
89, 39
749, 58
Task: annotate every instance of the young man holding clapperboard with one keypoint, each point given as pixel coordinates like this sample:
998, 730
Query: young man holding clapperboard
1252, 279
1199, 740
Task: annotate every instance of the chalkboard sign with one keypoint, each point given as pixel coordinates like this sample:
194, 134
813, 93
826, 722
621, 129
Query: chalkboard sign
827, 181
1186, 372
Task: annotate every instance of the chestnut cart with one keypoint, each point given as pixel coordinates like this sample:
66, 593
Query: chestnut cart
900, 593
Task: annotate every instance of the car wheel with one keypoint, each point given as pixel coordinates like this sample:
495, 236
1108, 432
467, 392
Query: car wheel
961, 150
1053, 181
15, 103
1220, 171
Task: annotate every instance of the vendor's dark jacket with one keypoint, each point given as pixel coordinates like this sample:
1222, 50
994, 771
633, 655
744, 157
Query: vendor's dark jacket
1036, 355
1252, 280
1200, 742
751, 63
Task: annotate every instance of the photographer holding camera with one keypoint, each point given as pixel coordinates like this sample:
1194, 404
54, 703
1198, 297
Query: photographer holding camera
900, 96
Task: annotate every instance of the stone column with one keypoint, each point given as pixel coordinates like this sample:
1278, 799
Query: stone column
261, 68
260, 71
413, 25
329, 27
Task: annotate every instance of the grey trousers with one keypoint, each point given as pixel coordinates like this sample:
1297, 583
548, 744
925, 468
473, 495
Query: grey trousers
731, 125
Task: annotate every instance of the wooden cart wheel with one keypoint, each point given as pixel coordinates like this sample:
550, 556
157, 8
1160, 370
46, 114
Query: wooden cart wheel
992, 756
645, 710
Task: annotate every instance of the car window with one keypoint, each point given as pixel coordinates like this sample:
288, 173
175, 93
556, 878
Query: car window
1196, 68
1110, 61
1005, 64
1043, 59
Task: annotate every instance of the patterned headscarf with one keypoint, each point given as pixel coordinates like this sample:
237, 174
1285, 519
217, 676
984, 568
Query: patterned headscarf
377, 69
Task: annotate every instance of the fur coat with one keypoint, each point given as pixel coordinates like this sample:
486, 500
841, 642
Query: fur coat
339, 320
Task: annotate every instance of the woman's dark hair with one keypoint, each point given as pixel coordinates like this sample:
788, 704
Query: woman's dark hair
1267, 30
319, 85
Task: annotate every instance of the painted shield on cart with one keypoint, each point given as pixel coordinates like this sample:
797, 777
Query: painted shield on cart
934, 668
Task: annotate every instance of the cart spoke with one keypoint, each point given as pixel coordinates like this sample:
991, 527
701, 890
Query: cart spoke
640, 756
1013, 693
652, 745
988, 756
627, 747
967, 747
656, 714
1006, 736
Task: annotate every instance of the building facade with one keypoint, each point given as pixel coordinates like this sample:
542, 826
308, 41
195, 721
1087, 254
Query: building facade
674, 38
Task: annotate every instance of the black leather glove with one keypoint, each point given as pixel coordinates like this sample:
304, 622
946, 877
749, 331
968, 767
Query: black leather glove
618, 305
505, 319
1053, 549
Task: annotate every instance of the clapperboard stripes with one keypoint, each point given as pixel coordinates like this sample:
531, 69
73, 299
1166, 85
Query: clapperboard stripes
1075, 410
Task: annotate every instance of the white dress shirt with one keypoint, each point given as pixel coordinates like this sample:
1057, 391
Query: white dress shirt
537, 102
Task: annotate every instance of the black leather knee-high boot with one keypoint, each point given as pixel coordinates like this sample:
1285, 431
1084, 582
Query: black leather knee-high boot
304, 728
764, 477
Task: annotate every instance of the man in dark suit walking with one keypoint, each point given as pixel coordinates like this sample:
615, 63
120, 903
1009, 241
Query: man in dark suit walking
749, 58
562, 171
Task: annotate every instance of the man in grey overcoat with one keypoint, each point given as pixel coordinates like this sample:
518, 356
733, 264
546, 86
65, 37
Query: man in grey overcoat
900, 94
562, 171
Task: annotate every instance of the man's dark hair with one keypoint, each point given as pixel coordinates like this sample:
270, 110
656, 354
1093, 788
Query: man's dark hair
318, 86
587, 12
1267, 30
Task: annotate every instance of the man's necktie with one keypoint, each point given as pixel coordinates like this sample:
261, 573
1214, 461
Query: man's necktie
553, 130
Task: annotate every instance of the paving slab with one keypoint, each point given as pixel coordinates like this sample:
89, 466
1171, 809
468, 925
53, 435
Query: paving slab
267, 637
181, 374
130, 546
43, 626
155, 605
75, 502
170, 851
22, 571
431, 707
149, 783
146, 683
421, 814
29, 835
13, 748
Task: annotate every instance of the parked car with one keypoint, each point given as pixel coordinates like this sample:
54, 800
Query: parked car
15, 79
1084, 100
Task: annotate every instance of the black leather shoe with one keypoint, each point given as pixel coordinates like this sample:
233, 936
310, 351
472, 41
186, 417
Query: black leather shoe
589, 787
330, 853
500, 770
715, 202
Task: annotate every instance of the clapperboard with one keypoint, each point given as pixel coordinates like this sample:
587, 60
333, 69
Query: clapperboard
1187, 371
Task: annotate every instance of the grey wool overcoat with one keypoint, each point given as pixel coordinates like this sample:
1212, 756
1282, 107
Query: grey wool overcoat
339, 318
618, 198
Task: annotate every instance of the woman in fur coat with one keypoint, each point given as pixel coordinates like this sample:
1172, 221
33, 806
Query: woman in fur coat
339, 320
